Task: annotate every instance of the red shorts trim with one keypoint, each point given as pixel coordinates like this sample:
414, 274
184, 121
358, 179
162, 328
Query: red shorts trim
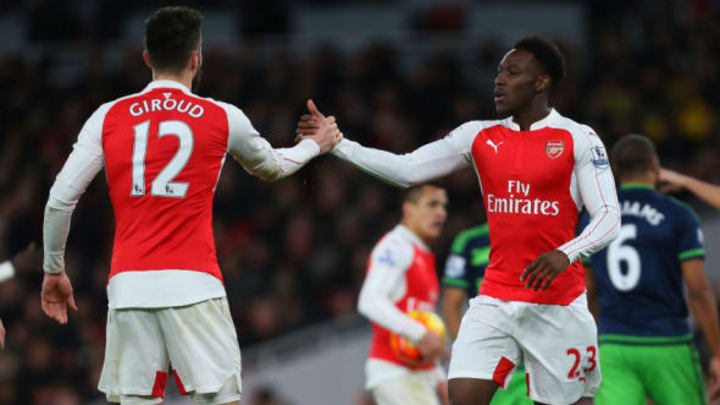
503, 368
158, 390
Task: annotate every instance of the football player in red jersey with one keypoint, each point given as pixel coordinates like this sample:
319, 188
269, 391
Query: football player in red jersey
401, 279
163, 149
536, 170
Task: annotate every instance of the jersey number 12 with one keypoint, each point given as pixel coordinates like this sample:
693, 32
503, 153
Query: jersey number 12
617, 253
163, 185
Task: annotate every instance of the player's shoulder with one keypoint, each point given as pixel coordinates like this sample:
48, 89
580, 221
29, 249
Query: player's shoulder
576, 129
480, 233
470, 129
681, 208
394, 244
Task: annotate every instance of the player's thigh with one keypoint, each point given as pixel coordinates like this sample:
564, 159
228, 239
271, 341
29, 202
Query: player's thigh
202, 345
560, 351
483, 356
136, 361
672, 374
482, 350
515, 393
411, 389
620, 382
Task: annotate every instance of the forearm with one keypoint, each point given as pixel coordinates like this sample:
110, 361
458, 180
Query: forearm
56, 226
259, 158
602, 229
707, 192
704, 307
429, 162
380, 310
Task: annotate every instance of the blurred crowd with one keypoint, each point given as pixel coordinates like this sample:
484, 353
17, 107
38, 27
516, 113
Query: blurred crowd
294, 252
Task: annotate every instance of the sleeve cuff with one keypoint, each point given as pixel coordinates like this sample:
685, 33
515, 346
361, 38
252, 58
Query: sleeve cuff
53, 263
692, 254
415, 331
7, 270
310, 147
341, 149
571, 258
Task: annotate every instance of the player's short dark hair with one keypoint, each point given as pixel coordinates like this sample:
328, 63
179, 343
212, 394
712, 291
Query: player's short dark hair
172, 34
413, 193
632, 155
547, 54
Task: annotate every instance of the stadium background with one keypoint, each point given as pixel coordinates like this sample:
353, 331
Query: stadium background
396, 74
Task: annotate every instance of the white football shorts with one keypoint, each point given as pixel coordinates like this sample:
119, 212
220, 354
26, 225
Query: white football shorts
416, 388
198, 341
557, 343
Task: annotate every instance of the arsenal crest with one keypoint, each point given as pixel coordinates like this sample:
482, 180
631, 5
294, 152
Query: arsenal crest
554, 149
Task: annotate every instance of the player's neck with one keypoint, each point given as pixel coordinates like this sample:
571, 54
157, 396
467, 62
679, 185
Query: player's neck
534, 112
415, 232
184, 78
646, 180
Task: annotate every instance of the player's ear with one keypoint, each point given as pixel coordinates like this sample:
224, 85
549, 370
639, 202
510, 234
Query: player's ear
195, 61
542, 83
146, 58
655, 166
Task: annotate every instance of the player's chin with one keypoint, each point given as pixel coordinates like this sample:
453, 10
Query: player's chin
435, 230
502, 108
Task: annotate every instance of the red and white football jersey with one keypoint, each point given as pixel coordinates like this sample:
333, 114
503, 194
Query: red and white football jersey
401, 277
534, 184
163, 150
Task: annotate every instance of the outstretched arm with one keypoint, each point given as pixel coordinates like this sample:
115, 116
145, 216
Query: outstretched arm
260, 159
431, 161
709, 193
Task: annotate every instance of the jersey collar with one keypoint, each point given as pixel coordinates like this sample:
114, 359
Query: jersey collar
632, 186
545, 122
165, 84
413, 238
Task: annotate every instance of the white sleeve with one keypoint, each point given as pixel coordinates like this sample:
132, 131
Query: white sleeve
7, 270
81, 167
597, 191
256, 154
431, 161
384, 282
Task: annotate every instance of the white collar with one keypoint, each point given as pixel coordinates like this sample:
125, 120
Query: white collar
164, 84
546, 121
406, 232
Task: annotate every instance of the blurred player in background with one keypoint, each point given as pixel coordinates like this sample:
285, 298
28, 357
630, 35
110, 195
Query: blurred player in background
26, 260
709, 193
464, 271
536, 169
401, 278
163, 150
646, 348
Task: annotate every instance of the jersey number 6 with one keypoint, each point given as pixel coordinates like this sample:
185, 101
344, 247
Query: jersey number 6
617, 253
163, 185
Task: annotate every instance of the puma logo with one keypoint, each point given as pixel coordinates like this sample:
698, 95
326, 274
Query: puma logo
492, 145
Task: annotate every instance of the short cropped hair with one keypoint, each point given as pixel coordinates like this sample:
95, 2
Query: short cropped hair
546, 53
172, 34
414, 193
632, 155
